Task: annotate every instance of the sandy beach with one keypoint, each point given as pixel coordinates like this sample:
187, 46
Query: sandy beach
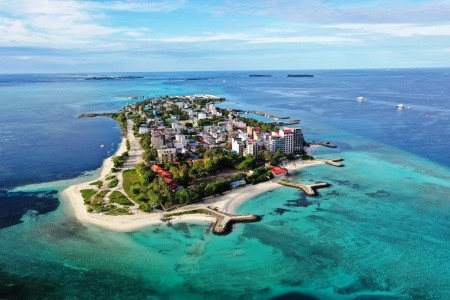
228, 202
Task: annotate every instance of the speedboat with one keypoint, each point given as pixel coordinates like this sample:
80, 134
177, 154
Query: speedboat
400, 106
360, 99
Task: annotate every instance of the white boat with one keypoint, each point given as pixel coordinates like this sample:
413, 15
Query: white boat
360, 99
400, 106
101, 146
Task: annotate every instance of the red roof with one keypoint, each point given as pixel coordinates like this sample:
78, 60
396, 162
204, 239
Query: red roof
161, 172
278, 170
166, 175
287, 130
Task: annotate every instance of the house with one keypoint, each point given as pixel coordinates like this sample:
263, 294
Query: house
277, 171
237, 183
166, 176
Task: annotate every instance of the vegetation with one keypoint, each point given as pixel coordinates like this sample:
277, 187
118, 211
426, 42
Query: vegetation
118, 161
119, 198
187, 212
87, 195
119, 211
99, 197
122, 119
260, 175
307, 157
265, 127
98, 183
110, 177
113, 182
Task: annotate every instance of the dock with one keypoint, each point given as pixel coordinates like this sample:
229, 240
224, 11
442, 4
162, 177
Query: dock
224, 221
335, 162
309, 189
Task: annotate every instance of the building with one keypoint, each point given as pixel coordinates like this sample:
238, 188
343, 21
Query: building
252, 147
293, 140
167, 155
298, 140
237, 183
157, 139
143, 129
277, 171
237, 146
166, 175
275, 143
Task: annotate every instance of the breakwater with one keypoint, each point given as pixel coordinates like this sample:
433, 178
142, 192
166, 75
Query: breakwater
223, 223
309, 189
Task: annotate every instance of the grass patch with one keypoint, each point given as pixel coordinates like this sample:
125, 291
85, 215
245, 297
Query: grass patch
119, 198
110, 177
87, 195
113, 183
98, 198
130, 178
98, 183
119, 211
188, 212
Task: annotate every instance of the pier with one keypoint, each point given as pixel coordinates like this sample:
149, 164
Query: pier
223, 222
309, 189
335, 162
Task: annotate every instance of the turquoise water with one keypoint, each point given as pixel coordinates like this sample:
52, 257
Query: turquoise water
380, 231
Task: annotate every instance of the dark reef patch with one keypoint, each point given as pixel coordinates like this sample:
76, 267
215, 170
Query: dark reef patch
298, 203
13, 206
378, 194
294, 295
280, 211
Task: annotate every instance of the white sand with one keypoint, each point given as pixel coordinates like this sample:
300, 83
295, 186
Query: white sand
228, 202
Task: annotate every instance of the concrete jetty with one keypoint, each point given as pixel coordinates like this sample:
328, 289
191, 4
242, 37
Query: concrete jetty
309, 189
223, 222
333, 162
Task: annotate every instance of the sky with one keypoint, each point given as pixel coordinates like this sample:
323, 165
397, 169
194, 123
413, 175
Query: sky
38, 36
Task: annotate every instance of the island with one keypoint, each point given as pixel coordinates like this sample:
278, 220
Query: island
183, 158
300, 75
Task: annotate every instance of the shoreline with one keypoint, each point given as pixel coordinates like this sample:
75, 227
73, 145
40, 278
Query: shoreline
228, 202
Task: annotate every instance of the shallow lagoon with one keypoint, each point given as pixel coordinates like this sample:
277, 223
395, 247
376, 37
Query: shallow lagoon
380, 231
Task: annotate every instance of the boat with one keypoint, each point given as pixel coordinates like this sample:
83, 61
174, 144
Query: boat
360, 99
101, 146
400, 106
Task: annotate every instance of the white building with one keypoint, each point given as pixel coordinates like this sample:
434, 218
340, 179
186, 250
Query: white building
201, 115
237, 183
252, 147
237, 146
143, 129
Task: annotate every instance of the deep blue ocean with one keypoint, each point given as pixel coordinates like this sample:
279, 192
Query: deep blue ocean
381, 231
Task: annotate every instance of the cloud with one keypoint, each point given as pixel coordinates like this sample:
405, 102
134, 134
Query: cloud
329, 12
137, 5
401, 30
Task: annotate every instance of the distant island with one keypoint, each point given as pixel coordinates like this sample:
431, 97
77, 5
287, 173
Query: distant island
300, 75
185, 157
192, 78
112, 77
259, 75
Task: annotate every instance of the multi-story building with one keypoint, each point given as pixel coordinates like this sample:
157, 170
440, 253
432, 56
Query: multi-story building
167, 155
237, 146
157, 139
298, 140
275, 143
293, 140
252, 147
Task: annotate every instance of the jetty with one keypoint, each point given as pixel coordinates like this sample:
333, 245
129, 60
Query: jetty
223, 222
324, 144
309, 189
335, 162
